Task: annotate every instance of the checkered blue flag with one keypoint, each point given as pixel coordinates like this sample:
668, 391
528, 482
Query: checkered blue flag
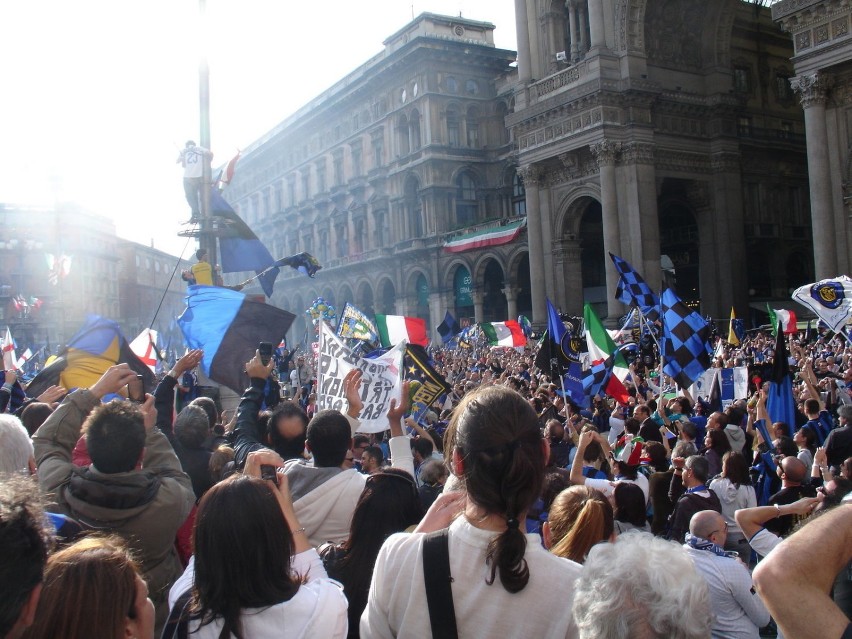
596, 378
685, 344
634, 291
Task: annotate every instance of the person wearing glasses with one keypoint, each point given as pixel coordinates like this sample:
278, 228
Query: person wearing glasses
690, 494
739, 612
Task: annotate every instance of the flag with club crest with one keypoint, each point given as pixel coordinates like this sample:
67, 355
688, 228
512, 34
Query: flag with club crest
736, 330
558, 355
634, 291
354, 324
686, 348
427, 384
830, 299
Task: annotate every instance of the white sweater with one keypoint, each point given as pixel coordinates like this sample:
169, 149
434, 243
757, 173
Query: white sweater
397, 602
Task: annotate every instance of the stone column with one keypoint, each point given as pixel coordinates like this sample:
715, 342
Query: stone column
400, 305
812, 89
568, 254
605, 153
531, 175
478, 297
597, 32
573, 29
523, 32
581, 27
641, 214
511, 294
437, 309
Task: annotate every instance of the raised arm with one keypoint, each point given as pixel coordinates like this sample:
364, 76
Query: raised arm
247, 436
751, 520
796, 578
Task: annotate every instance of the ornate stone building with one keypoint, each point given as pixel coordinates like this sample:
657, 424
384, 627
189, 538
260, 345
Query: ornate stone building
822, 61
665, 132
646, 129
375, 175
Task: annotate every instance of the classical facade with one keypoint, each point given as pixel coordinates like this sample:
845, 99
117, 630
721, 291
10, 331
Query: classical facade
379, 172
667, 133
822, 61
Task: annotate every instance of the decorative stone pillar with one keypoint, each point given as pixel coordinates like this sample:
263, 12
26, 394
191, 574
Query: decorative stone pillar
478, 298
812, 89
511, 294
569, 266
400, 305
597, 31
605, 153
437, 308
522, 30
531, 176
581, 27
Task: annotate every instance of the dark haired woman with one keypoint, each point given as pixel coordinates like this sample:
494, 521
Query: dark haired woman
389, 504
734, 490
629, 510
806, 440
502, 582
254, 575
716, 444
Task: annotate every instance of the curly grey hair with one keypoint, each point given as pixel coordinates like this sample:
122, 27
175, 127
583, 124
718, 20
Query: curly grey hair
641, 587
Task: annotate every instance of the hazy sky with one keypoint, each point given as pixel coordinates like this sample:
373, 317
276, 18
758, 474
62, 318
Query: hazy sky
99, 95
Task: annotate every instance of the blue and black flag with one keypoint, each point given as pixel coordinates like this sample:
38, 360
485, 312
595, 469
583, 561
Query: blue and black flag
449, 328
779, 403
685, 341
634, 291
227, 326
241, 250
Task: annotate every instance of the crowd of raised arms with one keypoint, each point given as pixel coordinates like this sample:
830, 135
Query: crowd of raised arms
506, 513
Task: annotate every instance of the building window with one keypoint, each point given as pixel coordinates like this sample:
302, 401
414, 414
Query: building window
452, 84
519, 196
378, 151
471, 87
414, 130
783, 88
338, 168
356, 162
402, 133
742, 80
279, 198
321, 186
744, 126
291, 190
466, 206
473, 128
453, 137
306, 185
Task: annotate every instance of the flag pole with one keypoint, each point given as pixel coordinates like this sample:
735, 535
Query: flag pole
207, 236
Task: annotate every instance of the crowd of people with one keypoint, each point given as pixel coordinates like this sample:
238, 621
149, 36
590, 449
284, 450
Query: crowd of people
508, 511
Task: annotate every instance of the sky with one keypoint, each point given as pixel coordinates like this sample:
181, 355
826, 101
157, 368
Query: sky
100, 95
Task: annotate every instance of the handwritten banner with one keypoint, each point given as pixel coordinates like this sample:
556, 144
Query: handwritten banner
380, 381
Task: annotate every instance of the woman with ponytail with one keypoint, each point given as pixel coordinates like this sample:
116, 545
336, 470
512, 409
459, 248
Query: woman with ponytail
579, 518
501, 581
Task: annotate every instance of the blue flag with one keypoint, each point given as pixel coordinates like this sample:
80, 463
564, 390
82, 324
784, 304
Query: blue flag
240, 248
634, 291
780, 404
228, 326
449, 328
685, 345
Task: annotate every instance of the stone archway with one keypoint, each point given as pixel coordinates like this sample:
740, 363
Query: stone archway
494, 307
365, 300
387, 298
679, 242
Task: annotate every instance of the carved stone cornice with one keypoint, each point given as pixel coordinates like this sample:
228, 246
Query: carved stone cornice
682, 161
606, 152
637, 153
812, 88
725, 162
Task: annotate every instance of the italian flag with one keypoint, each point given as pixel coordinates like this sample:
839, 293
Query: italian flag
786, 318
493, 236
603, 349
395, 328
508, 333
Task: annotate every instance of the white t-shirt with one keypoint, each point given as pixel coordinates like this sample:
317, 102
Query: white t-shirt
764, 542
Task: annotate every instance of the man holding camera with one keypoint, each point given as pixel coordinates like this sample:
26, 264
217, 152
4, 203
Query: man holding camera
146, 505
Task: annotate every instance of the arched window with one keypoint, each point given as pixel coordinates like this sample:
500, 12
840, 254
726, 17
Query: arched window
453, 137
466, 206
413, 207
519, 196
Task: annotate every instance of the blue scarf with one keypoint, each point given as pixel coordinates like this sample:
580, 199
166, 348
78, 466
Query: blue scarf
704, 544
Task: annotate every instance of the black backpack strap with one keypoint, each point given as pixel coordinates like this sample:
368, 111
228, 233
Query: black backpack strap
437, 579
177, 625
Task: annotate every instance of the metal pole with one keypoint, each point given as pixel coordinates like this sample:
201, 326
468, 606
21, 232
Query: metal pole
207, 238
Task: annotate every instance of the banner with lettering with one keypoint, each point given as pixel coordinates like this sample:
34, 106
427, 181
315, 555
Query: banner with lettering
381, 379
